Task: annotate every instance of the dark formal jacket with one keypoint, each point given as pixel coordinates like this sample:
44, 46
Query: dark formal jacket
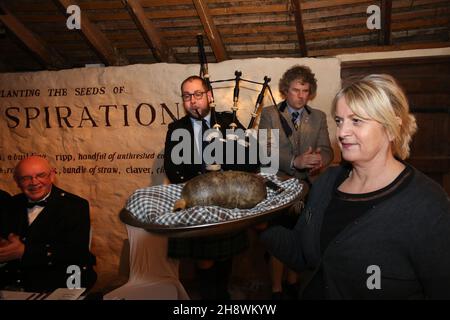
4, 196
58, 237
4, 201
215, 247
406, 236
178, 173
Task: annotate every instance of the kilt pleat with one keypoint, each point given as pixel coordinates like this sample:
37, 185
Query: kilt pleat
208, 248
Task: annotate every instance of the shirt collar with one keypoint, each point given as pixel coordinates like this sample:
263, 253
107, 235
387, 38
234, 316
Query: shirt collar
207, 118
43, 199
291, 110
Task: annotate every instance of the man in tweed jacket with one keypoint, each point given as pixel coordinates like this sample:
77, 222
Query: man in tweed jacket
304, 143
303, 148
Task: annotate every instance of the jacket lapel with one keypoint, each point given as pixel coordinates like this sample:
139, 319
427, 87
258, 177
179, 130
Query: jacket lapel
305, 129
23, 217
186, 124
288, 119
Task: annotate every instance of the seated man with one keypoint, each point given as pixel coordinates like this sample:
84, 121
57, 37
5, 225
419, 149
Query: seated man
45, 230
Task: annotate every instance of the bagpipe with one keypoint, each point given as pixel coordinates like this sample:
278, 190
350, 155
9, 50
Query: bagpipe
250, 130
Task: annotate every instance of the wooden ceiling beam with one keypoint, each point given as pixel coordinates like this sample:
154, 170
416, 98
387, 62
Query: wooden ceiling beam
160, 50
256, 29
421, 14
299, 27
151, 3
98, 41
331, 24
370, 49
319, 4
211, 31
419, 24
100, 5
386, 22
254, 14
332, 34
44, 53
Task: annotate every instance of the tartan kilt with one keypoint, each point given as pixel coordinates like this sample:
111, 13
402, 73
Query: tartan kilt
208, 248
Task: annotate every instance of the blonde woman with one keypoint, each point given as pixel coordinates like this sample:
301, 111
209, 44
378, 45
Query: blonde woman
376, 227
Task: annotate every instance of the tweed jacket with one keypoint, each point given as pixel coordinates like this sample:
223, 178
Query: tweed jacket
312, 132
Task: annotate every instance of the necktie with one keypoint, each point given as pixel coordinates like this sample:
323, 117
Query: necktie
205, 128
41, 203
295, 119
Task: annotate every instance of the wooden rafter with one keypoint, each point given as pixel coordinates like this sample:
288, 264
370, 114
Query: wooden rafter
386, 17
371, 49
159, 48
46, 55
248, 29
211, 31
98, 41
299, 27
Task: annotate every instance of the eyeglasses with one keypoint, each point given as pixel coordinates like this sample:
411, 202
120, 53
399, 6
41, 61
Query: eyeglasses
28, 179
197, 95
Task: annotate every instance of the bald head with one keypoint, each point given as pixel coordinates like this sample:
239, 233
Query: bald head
35, 177
33, 161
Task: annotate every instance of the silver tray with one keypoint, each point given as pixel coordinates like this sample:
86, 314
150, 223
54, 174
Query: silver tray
210, 229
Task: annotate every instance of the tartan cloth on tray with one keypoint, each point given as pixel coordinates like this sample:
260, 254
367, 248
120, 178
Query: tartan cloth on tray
155, 204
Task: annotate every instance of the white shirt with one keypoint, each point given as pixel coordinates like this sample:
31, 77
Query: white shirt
300, 112
197, 126
35, 211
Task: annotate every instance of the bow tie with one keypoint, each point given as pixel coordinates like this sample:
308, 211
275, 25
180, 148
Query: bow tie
41, 203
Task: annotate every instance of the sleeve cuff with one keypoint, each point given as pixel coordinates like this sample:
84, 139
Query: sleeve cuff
292, 164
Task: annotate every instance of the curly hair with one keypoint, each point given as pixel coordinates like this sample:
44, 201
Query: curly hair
298, 73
